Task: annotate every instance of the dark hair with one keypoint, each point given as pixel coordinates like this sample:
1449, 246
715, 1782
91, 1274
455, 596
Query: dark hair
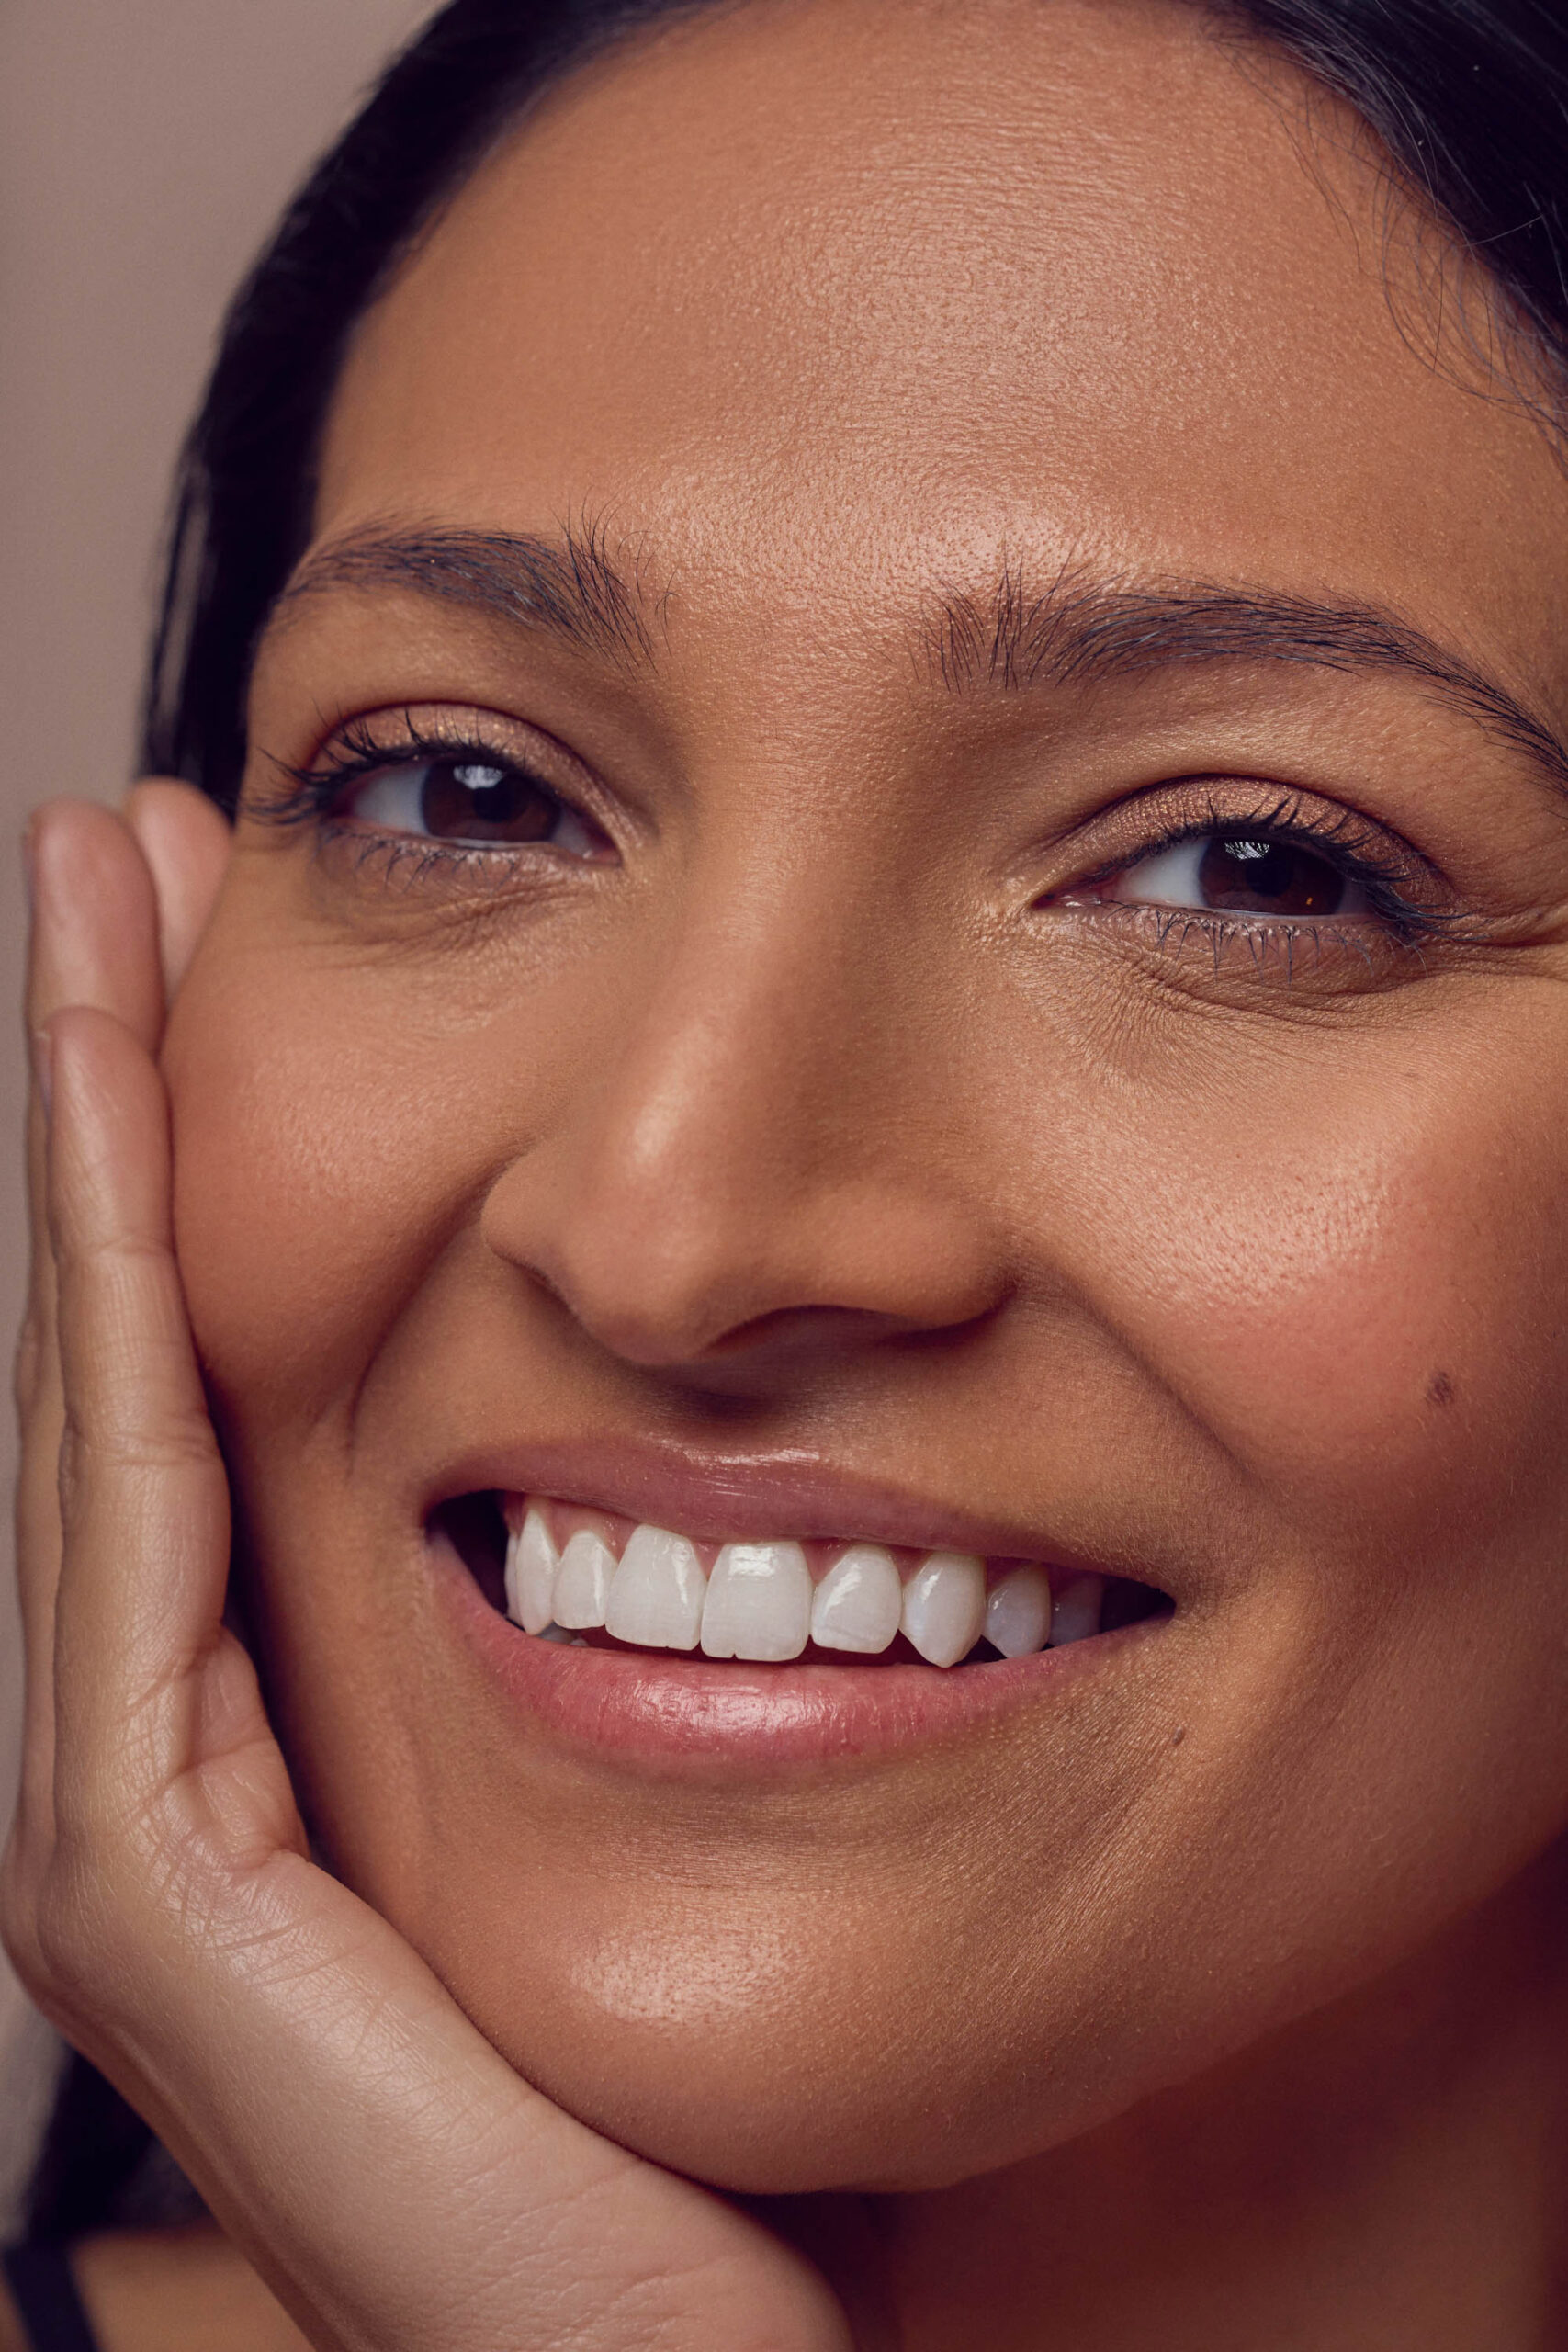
1467, 97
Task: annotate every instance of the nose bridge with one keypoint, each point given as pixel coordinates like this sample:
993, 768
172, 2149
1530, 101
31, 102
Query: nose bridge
765, 1018
749, 1144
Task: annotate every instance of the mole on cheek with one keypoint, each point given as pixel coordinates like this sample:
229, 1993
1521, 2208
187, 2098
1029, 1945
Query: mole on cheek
1442, 1389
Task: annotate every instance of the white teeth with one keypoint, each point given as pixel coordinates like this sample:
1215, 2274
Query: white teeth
531, 1564
759, 1603
944, 1606
1076, 1612
858, 1602
1018, 1614
583, 1580
656, 1598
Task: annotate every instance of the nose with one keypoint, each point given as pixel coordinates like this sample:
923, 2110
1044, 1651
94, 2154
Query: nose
765, 1168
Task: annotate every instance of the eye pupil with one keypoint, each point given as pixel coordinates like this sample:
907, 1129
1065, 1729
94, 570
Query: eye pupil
1268, 878
463, 799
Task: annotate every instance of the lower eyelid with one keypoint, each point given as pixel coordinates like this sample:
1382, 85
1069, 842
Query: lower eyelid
1202, 948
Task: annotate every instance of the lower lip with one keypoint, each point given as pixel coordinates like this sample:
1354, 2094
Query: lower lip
690, 1713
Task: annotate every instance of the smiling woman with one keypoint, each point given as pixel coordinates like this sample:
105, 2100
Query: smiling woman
861, 976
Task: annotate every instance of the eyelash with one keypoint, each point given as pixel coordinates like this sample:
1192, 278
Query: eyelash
1356, 850
354, 754
1359, 851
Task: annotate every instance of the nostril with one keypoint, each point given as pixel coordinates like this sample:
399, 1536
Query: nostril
799, 1329
738, 1254
638, 1297
780, 1352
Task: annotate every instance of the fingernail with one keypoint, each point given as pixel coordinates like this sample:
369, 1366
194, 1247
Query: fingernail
43, 1068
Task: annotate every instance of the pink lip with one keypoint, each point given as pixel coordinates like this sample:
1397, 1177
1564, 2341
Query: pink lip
726, 1499
691, 1717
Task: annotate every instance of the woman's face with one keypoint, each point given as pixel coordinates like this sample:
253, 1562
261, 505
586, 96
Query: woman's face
1023, 1010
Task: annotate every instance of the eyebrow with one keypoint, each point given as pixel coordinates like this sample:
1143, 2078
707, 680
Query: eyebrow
570, 585
1082, 631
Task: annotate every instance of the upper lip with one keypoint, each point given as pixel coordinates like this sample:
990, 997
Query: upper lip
731, 1496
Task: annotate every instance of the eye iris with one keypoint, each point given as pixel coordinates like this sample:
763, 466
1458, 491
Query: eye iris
1268, 878
467, 800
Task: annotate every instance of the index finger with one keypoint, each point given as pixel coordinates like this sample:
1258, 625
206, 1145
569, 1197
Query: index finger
95, 919
145, 1499
95, 941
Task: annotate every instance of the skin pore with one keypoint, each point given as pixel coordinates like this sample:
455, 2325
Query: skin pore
882, 467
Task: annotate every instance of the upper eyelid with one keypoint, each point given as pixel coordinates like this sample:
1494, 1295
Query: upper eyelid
1293, 812
415, 742
1387, 870
339, 758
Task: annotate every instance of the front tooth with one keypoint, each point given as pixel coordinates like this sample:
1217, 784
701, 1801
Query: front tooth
583, 1580
858, 1602
759, 1603
1018, 1614
656, 1598
531, 1564
944, 1606
1076, 1612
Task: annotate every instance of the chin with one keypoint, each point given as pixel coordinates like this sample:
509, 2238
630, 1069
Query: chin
781, 2107
778, 2050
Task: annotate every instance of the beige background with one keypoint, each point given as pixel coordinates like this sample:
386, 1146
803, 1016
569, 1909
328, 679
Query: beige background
145, 146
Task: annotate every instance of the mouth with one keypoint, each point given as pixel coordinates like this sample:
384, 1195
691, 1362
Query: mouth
566, 1572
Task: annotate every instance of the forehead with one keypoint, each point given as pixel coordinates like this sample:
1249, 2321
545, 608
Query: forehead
813, 300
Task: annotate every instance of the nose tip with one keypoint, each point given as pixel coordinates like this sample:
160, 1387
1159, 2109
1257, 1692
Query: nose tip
758, 1168
745, 1291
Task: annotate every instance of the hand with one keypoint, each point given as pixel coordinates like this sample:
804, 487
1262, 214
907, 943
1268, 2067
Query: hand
396, 2184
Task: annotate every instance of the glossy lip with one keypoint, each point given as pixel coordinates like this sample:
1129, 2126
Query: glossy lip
719, 1499
690, 1716
695, 1718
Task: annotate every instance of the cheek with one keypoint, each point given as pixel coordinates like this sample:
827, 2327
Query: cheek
318, 1160
1295, 1266
1359, 1292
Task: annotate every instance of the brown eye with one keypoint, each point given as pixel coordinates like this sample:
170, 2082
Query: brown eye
1269, 877
461, 800
466, 799
1240, 874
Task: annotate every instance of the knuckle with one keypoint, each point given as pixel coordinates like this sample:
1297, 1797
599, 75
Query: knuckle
94, 1445
69, 1939
17, 1911
28, 1364
119, 1251
41, 1932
